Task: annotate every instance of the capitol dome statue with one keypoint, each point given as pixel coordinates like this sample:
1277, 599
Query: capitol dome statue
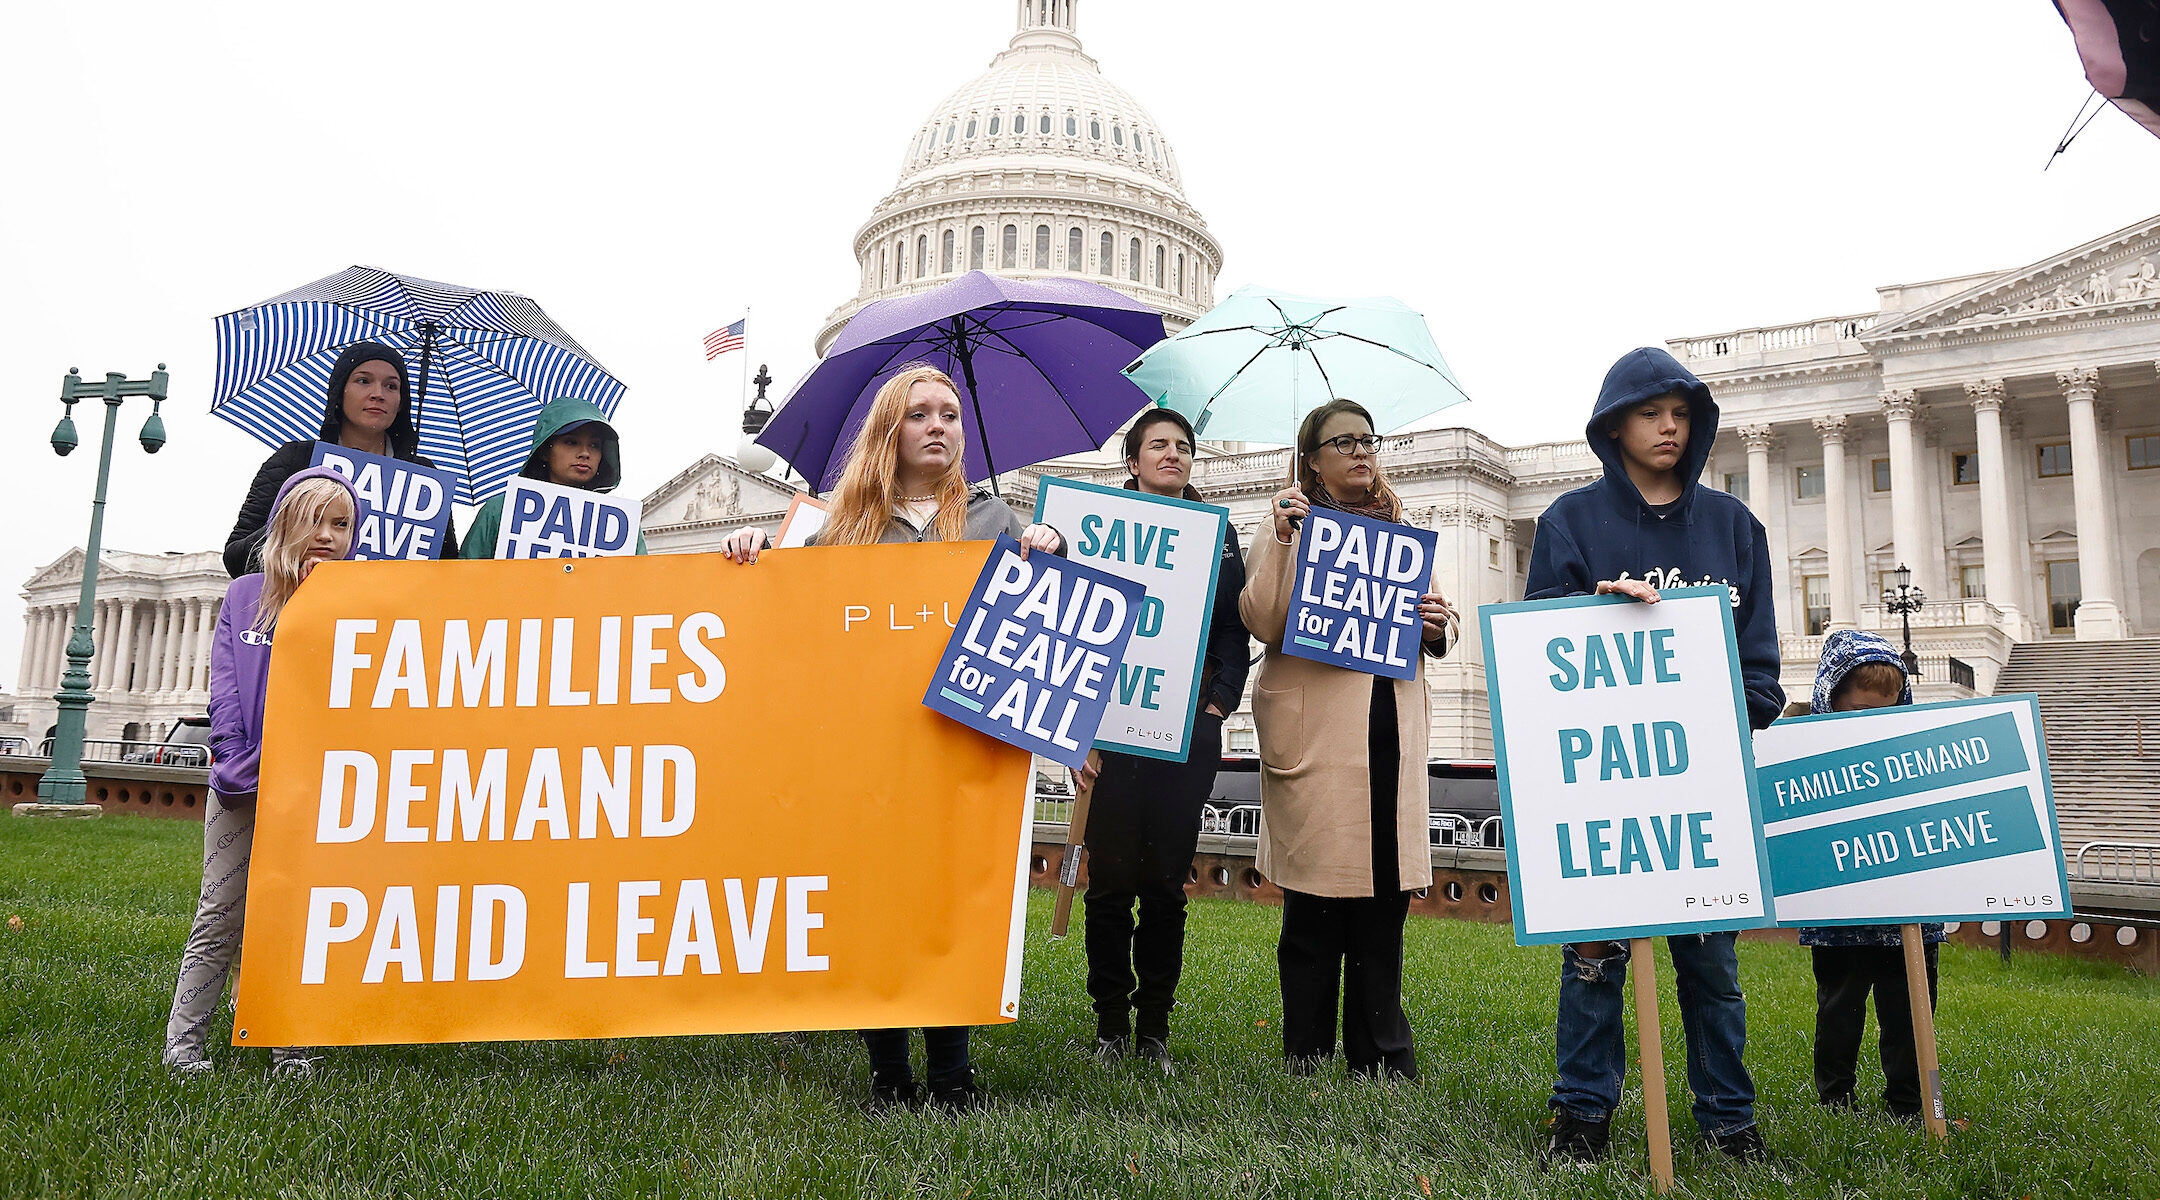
1039, 167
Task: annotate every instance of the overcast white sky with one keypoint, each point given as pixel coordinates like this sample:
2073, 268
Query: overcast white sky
1550, 183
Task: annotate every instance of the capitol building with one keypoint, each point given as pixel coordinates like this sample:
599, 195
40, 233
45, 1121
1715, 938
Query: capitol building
1997, 433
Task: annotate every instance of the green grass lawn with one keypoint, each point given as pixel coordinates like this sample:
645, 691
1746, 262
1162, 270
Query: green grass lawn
2056, 1064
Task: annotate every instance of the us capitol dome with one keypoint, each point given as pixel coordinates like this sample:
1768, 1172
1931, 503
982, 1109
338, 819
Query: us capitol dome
1039, 167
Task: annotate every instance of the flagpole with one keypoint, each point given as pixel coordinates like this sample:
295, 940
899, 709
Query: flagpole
742, 392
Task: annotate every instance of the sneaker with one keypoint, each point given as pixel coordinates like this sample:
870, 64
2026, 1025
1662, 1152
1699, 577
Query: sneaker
885, 1097
298, 1067
194, 1068
1577, 1139
1157, 1051
1110, 1049
1747, 1145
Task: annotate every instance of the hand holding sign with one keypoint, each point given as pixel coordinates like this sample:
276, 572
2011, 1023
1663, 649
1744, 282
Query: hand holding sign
1033, 658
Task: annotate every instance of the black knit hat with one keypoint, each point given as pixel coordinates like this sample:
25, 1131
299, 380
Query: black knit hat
403, 439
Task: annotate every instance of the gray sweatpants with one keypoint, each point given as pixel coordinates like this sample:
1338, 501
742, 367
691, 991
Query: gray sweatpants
213, 946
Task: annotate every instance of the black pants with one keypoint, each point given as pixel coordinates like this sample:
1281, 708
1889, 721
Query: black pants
945, 1049
1356, 940
1843, 977
1142, 829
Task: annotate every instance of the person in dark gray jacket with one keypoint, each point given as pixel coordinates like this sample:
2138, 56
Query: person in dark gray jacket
906, 481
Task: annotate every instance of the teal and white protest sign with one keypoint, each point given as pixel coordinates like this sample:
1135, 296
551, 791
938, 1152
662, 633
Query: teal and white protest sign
1932, 812
547, 520
1174, 549
1626, 782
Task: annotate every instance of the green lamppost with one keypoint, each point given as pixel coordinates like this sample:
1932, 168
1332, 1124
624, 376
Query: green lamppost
63, 791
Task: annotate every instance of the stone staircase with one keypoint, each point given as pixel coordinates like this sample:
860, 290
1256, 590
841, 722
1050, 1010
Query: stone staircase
2100, 707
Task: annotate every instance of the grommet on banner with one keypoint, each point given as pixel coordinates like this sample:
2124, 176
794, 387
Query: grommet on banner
567, 568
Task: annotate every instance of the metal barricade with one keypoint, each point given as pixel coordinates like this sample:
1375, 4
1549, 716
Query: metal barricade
1451, 829
2118, 862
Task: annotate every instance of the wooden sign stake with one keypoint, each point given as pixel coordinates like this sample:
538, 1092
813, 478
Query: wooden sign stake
1069, 866
1923, 1029
1652, 1046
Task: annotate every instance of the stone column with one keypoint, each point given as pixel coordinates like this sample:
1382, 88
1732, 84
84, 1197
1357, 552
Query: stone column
1998, 553
1899, 406
56, 635
1757, 440
183, 643
2099, 614
101, 644
26, 670
125, 650
1837, 518
160, 630
203, 634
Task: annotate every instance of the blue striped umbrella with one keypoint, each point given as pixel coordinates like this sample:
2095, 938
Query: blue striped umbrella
487, 362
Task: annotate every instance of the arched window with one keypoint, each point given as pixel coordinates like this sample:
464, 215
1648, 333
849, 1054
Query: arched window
899, 260
993, 124
922, 254
1132, 260
1072, 125
1044, 125
971, 127
882, 278
975, 249
1075, 248
950, 130
1159, 277
1181, 274
1109, 255
1042, 247
948, 267
1019, 122
1010, 244
1152, 151
1117, 134
1094, 129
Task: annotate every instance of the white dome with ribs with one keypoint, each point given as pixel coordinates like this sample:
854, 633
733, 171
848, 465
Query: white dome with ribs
1039, 166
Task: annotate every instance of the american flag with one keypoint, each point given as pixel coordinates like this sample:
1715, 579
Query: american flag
720, 341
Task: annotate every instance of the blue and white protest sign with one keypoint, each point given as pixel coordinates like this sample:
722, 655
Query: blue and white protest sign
1174, 549
1931, 812
1033, 658
405, 507
547, 520
1626, 781
1356, 595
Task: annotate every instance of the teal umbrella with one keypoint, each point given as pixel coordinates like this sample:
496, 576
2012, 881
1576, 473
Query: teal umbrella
1251, 368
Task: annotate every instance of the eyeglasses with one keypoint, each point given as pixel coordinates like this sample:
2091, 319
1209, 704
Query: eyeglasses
1345, 444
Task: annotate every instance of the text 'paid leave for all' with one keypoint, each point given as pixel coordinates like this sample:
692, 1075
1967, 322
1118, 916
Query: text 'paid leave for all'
1625, 777
514, 800
1355, 601
1033, 661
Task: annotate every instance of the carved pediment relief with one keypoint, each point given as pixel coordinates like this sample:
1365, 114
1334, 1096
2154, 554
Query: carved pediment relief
2122, 268
712, 489
66, 569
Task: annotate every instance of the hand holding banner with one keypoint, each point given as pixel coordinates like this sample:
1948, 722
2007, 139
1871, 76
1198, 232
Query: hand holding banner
1174, 549
1356, 600
1625, 777
547, 520
1032, 659
405, 507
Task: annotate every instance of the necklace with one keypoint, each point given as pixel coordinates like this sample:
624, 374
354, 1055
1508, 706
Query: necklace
918, 499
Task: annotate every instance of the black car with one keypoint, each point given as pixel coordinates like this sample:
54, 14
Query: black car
1464, 801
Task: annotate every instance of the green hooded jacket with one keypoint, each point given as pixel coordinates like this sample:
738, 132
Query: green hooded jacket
558, 415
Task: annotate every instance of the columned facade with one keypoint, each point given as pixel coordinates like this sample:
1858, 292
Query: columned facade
154, 617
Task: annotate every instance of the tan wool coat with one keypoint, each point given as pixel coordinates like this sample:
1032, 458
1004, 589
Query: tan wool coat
1314, 723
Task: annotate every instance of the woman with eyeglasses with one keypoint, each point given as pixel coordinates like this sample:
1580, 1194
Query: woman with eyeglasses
1342, 778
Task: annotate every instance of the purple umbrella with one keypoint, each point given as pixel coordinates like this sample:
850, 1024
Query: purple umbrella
1037, 360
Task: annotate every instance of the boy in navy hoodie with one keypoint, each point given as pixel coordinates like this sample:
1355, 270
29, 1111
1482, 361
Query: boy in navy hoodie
1649, 524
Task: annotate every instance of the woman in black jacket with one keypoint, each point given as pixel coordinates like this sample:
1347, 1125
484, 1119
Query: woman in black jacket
1144, 814
365, 411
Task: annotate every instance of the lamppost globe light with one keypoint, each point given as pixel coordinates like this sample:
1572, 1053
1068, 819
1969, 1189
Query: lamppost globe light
153, 433
64, 440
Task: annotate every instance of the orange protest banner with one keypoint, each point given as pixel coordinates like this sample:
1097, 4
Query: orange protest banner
628, 796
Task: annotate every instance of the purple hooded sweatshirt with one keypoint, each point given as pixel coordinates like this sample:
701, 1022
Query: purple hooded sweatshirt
240, 668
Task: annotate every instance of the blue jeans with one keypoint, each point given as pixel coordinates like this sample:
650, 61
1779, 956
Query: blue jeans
1593, 1040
